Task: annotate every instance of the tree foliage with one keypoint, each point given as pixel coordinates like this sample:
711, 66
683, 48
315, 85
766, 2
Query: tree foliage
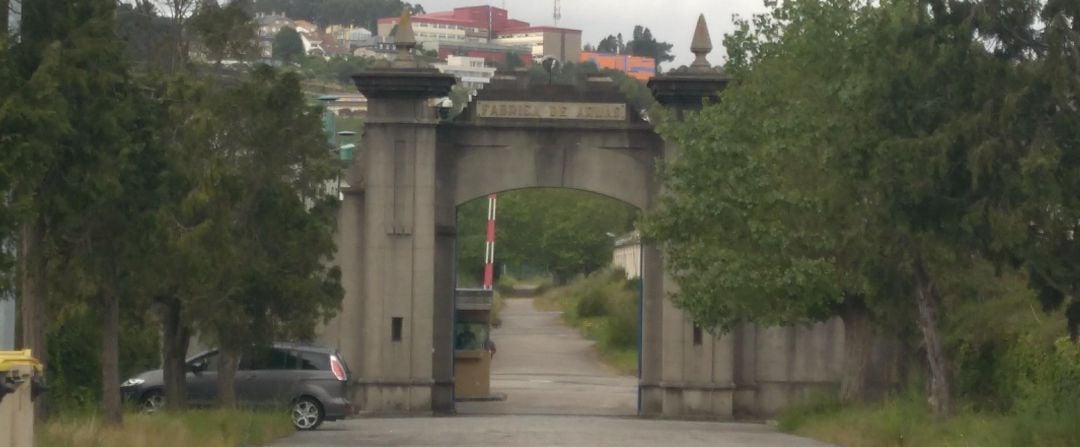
642, 44
561, 232
150, 38
612, 44
227, 31
204, 202
339, 69
834, 168
575, 74
287, 46
860, 152
363, 13
252, 221
645, 45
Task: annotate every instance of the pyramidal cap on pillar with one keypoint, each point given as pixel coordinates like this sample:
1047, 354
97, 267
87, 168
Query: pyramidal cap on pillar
405, 75
689, 86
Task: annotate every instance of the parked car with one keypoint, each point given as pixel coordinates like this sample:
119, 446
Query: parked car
312, 381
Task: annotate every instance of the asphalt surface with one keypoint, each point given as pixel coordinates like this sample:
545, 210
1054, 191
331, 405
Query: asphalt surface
544, 367
557, 394
533, 430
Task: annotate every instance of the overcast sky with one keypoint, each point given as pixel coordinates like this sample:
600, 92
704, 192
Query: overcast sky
671, 21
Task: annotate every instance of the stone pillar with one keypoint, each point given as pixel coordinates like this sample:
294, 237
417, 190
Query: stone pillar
445, 281
650, 394
698, 371
396, 372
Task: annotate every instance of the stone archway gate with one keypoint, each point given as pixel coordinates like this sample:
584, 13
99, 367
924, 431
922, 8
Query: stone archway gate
397, 233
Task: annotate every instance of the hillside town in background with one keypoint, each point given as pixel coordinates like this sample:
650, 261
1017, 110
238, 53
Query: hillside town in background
469, 42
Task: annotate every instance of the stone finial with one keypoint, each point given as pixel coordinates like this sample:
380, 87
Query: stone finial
404, 39
701, 45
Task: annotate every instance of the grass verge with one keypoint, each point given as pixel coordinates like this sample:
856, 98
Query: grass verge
905, 421
604, 308
202, 428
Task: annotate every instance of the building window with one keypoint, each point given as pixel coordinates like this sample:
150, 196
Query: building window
697, 335
395, 328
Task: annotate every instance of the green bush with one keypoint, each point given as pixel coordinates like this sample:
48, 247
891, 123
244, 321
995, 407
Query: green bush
1047, 408
591, 302
622, 328
622, 307
983, 377
74, 346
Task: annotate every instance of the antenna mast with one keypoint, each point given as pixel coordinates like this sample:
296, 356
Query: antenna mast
558, 13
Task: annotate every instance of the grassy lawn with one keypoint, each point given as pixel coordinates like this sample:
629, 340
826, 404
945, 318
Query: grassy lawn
905, 421
202, 428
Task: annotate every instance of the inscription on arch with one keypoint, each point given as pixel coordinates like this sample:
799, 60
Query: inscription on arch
551, 110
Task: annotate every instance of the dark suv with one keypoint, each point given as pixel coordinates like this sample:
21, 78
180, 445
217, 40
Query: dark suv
312, 381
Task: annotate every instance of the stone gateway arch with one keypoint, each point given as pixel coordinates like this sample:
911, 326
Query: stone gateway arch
396, 238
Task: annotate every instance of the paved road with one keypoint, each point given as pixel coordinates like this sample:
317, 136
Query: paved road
544, 367
532, 430
558, 394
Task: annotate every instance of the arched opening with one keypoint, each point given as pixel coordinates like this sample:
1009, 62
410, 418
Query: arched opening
565, 324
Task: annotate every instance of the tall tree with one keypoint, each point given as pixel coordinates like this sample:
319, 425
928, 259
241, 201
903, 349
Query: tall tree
833, 169
1030, 169
179, 12
149, 36
288, 47
610, 44
73, 180
225, 31
645, 45
267, 220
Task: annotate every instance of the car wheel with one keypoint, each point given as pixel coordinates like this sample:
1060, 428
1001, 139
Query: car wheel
152, 401
307, 414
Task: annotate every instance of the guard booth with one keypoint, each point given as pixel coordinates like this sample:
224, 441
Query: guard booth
472, 332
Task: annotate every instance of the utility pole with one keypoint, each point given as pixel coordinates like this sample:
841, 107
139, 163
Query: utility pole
558, 13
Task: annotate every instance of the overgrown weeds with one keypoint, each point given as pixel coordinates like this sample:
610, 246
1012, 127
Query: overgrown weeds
203, 428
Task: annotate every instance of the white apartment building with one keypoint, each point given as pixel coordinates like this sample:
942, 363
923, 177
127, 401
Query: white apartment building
471, 72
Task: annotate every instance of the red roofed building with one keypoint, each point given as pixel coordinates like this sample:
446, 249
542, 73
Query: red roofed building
489, 25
